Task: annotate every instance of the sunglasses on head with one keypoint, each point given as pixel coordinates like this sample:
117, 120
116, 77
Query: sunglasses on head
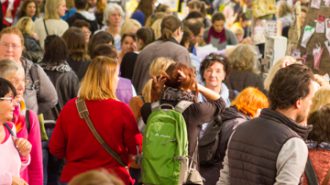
215, 57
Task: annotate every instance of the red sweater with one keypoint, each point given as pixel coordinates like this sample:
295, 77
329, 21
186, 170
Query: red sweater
321, 162
73, 140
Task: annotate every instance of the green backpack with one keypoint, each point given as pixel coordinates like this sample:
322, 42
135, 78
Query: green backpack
165, 145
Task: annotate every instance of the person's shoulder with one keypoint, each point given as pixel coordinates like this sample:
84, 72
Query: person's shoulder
71, 104
124, 80
38, 20
151, 46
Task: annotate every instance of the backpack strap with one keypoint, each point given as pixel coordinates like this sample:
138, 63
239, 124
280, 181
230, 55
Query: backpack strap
35, 77
157, 106
84, 114
27, 121
182, 105
310, 173
9, 129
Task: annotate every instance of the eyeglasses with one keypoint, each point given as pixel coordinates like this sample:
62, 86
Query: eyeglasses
10, 99
8, 45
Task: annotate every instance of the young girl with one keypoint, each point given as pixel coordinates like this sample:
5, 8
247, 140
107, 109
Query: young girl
15, 152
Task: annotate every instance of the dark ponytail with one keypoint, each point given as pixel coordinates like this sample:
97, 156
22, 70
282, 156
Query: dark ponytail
168, 26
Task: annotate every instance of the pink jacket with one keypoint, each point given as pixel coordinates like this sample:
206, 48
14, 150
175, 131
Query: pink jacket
33, 174
11, 163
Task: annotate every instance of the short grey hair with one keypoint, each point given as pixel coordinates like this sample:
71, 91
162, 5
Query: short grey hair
8, 66
111, 8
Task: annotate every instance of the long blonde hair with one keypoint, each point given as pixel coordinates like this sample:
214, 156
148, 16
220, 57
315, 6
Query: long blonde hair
100, 80
51, 7
157, 67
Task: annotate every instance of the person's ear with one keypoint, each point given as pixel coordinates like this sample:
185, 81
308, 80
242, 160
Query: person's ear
177, 32
298, 103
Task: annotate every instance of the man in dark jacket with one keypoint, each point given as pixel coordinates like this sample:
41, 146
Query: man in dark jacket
271, 149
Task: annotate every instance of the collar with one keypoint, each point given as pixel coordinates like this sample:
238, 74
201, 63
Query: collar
271, 114
170, 40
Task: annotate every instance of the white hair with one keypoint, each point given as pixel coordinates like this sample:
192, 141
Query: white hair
111, 8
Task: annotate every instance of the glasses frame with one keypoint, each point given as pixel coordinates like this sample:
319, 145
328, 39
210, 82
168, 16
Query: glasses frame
10, 99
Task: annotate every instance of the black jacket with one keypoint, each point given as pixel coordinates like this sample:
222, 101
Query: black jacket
66, 84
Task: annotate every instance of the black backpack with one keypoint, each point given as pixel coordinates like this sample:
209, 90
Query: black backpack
208, 143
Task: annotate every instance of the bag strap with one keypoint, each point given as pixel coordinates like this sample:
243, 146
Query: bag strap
45, 27
193, 156
182, 106
27, 121
84, 114
9, 129
310, 173
327, 178
35, 77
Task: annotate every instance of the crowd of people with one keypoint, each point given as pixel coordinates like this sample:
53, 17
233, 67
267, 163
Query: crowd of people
79, 79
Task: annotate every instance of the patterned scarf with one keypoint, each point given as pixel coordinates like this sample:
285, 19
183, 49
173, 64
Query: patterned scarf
60, 68
19, 116
173, 94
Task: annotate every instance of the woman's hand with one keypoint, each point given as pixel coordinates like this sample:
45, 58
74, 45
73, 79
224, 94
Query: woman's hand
23, 146
18, 181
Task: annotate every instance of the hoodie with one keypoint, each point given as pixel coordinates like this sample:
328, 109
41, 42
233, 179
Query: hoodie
86, 16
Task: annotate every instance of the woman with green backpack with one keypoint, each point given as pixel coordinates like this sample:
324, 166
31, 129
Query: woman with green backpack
177, 92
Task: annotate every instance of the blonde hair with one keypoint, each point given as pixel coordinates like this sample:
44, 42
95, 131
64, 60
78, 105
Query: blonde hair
96, 177
25, 25
321, 97
157, 67
129, 25
156, 26
283, 8
51, 7
100, 80
153, 18
237, 30
282, 62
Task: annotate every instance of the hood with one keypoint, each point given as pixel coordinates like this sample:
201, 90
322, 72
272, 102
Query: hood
88, 15
232, 113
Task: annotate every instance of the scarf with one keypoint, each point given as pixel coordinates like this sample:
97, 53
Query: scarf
19, 116
221, 36
60, 68
173, 94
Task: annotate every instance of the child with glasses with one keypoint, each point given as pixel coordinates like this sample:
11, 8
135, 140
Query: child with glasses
15, 152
